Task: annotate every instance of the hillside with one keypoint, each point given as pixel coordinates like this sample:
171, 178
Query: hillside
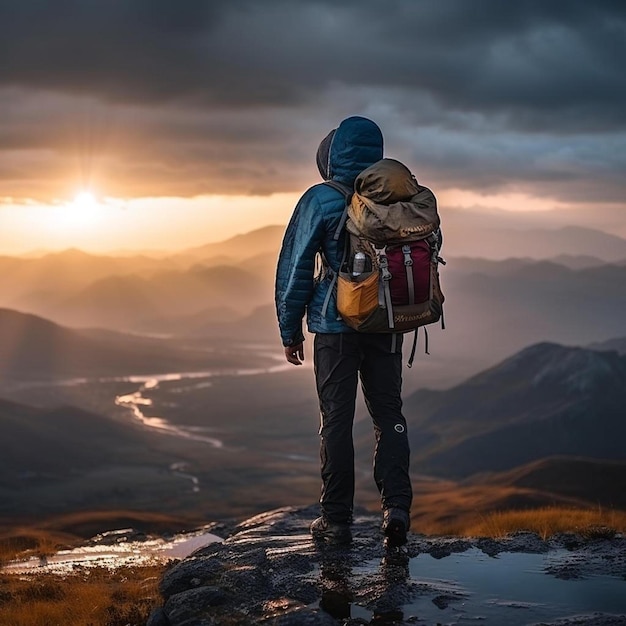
133, 302
34, 348
239, 248
619, 345
591, 481
50, 443
67, 460
546, 400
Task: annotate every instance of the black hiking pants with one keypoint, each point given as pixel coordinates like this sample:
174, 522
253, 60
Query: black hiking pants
339, 359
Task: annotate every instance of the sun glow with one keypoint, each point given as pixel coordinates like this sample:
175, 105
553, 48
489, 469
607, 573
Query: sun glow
101, 224
83, 211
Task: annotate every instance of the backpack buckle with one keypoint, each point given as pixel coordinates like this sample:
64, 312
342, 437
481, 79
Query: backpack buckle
406, 250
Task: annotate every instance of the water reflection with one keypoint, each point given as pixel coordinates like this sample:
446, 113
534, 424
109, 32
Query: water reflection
515, 589
114, 553
337, 595
512, 588
137, 404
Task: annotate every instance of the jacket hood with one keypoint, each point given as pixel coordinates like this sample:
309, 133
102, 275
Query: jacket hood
346, 151
323, 154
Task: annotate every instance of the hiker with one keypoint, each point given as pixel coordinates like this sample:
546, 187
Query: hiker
341, 354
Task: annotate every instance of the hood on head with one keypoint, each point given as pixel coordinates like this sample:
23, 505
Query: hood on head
323, 154
346, 151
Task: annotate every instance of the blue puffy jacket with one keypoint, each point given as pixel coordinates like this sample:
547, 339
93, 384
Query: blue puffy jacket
356, 144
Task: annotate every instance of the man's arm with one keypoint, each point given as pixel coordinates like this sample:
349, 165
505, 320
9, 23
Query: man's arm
294, 273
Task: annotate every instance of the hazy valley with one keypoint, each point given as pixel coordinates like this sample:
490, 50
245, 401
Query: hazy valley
213, 424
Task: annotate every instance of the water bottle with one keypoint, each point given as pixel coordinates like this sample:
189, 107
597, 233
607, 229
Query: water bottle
358, 266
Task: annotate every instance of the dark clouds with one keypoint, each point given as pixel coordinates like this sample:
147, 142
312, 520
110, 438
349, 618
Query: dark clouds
205, 96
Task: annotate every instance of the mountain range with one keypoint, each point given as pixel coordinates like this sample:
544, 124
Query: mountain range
493, 308
498, 243
547, 400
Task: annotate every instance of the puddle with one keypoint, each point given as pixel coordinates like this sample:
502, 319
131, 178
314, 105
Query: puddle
113, 555
512, 589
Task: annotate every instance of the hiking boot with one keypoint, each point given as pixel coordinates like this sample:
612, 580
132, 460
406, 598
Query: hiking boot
332, 532
396, 522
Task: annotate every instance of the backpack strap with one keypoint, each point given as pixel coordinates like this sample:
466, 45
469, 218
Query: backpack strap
346, 192
331, 288
384, 293
414, 346
408, 264
434, 241
333, 282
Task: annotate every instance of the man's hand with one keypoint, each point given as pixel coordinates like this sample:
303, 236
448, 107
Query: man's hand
295, 354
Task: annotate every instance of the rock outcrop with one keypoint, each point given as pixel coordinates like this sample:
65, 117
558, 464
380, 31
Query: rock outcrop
270, 571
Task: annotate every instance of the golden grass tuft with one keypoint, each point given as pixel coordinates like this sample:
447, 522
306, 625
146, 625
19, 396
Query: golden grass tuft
94, 596
547, 521
27, 542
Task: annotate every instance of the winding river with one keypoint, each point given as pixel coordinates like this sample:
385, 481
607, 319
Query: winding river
139, 405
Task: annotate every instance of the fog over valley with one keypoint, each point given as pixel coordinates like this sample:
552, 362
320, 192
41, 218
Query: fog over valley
173, 364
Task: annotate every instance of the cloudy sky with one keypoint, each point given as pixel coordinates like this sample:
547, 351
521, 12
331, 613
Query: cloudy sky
190, 120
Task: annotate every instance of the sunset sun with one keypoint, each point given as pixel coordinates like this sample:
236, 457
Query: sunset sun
83, 208
84, 201
83, 212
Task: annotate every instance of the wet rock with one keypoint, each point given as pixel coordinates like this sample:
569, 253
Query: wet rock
441, 547
193, 607
594, 619
596, 557
270, 571
222, 529
302, 617
489, 546
189, 574
442, 602
157, 618
569, 541
523, 541
113, 537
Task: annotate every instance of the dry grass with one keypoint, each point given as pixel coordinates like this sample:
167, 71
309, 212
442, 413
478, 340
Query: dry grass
26, 542
93, 597
545, 521
87, 597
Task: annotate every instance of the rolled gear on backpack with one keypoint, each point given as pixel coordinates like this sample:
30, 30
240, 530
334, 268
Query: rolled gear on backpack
394, 221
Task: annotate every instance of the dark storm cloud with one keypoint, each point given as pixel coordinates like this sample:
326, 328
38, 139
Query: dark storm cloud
539, 63
214, 96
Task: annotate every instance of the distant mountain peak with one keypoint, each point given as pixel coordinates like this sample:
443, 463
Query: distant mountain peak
616, 345
575, 368
71, 253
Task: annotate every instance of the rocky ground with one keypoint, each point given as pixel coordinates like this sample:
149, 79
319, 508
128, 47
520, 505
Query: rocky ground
269, 571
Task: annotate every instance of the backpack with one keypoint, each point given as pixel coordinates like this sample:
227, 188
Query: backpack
388, 280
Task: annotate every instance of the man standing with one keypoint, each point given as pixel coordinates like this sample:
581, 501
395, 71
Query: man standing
340, 354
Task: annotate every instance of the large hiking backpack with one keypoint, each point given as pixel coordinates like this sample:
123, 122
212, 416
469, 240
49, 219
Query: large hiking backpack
388, 280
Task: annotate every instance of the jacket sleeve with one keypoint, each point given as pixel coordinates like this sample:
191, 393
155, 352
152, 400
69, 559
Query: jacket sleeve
296, 267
